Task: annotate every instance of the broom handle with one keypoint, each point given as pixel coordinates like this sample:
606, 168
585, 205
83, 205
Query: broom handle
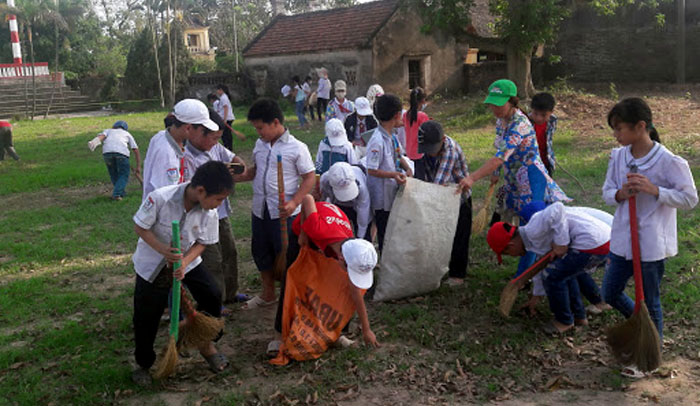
283, 221
636, 255
175, 308
540, 263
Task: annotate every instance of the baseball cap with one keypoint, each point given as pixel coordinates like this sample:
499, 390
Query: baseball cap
430, 136
362, 106
500, 92
499, 236
335, 131
340, 86
121, 124
360, 258
342, 181
192, 111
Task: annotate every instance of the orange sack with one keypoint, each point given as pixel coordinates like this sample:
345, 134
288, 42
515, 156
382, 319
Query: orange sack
317, 305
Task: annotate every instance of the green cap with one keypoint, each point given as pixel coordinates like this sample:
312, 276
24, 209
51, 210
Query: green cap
500, 92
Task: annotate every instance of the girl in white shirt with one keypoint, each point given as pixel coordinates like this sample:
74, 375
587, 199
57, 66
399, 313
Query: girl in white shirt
225, 110
662, 182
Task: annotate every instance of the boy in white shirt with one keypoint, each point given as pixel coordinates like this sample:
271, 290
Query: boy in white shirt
334, 148
115, 152
323, 92
346, 187
192, 204
578, 241
299, 178
340, 107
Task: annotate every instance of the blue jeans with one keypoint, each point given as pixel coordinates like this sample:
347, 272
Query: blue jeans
561, 284
589, 289
118, 167
618, 272
300, 112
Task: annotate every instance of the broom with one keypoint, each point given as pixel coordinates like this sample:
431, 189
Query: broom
481, 219
572, 176
168, 359
636, 340
199, 329
280, 265
510, 292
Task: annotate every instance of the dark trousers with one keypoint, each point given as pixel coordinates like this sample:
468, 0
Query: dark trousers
311, 108
381, 219
321, 106
150, 299
6, 144
227, 136
118, 168
352, 216
221, 261
459, 258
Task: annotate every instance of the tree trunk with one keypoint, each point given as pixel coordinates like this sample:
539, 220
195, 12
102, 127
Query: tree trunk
31, 54
273, 6
235, 33
55, 78
171, 73
519, 70
176, 55
155, 53
681, 56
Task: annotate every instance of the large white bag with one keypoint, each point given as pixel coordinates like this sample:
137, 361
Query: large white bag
418, 240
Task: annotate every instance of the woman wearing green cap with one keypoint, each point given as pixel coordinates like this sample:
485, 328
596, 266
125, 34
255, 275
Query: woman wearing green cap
526, 178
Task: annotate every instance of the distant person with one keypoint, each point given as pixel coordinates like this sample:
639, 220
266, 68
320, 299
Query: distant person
324, 93
545, 123
213, 100
311, 98
115, 151
373, 92
358, 123
299, 96
226, 112
339, 107
412, 120
6, 141
334, 147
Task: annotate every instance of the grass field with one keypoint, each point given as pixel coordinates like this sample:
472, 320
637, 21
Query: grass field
66, 284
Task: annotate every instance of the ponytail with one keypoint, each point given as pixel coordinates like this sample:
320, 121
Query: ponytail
631, 111
417, 96
224, 89
653, 134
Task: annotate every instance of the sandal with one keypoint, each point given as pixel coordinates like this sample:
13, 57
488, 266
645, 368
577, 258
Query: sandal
632, 372
141, 377
552, 329
217, 362
257, 302
241, 298
273, 348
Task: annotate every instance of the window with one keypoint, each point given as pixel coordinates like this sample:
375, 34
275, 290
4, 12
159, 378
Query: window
351, 77
415, 74
192, 40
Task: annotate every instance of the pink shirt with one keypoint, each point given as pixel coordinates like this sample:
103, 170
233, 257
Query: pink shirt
412, 134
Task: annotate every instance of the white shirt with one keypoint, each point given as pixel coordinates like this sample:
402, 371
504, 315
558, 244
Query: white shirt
119, 141
164, 164
194, 158
345, 149
306, 88
381, 154
324, 88
563, 226
656, 216
361, 203
296, 161
157, 213
224, 102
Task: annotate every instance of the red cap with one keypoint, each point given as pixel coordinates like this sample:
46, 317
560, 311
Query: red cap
498, 237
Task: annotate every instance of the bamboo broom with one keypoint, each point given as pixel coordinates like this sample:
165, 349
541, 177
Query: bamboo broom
280, 265
168, 360
481, 219
510, 292
199, 328
636, 340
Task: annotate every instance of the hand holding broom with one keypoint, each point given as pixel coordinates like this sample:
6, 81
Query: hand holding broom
481, 219
510, 292
280, 265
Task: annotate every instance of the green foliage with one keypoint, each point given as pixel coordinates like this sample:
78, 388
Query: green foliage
201, 65
227, 63
140, 76
449, 15
524, 24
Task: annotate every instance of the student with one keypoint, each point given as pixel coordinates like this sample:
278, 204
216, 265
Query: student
299, 96
545, 123
373, 92
226, 112
115, 152
345, 185
339, 107
662, 182
334, 147
385, 166
577, 240
443, 163
213, 100
359, 122
191, 203
164, 164
299, 178
412, 120
311, 97
324, 93
6, 141
220, 259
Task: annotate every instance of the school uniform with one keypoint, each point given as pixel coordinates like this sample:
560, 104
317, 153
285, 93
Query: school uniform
154, 278
226, 136
116, 149
329, 154
358, 210
324, 95
355, 126
588, 240
220, 259
164, 164
339, 110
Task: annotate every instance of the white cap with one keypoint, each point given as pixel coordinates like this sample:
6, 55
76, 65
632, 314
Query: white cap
362, 106
193, 111
335, 131
342, 181
340, 85
361, 258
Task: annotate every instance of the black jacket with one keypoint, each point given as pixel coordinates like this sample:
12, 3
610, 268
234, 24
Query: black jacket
351, 125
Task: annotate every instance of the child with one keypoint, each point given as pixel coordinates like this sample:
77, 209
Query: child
346, 186
299, 96
193, 204
310, 97
577, 240
334, 148
662, 182
443, 163
165, 159
115, 152
385, 166
358, 123
221, 259
6, 141
412, 120
339, 107
299, 178
545, 123
225, 110
324, 93
373, 92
